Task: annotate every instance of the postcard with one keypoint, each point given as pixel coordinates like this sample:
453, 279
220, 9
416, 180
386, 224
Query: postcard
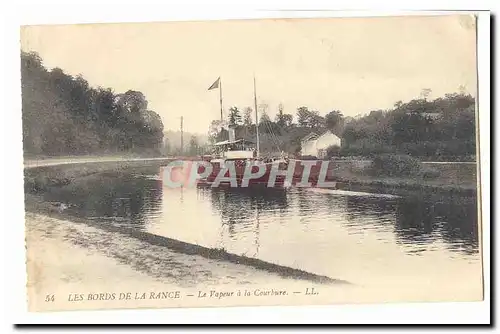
287, 161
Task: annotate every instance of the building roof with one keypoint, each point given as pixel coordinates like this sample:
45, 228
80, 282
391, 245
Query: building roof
310, 136
315, 136
326, 132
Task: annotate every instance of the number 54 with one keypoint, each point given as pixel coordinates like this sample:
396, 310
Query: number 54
49, 298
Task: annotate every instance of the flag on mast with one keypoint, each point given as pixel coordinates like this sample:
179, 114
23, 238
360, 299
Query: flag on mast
215, 85
218, 84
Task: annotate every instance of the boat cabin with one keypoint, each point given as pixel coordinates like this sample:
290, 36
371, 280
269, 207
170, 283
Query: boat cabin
236, 149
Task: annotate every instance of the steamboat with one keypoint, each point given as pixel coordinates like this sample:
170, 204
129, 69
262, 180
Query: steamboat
245, 159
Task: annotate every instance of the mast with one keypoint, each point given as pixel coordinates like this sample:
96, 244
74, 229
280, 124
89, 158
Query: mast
220, 95
182, 135
256, 116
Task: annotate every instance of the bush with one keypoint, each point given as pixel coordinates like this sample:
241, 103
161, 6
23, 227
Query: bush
395, 165
419, 149
366, 148
332, 151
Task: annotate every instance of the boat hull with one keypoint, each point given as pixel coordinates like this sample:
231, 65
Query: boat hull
300, 175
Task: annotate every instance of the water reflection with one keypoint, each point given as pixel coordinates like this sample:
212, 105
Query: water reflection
123, 199
240, 211
417, 224
324, 233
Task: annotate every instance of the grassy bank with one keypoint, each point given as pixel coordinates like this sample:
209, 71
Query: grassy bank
437, 179
446, 179
42, 178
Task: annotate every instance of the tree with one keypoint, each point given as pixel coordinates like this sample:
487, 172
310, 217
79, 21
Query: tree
264, 117
443, 128
266, 125
287, 120
167, 147
234, 116
214, 130
247, 116
309, 118
283, 120
280, 116
409, 127
132, 101
425, 93
65, 115
303, 116
193, 146
152, 129
332, 151
334, 121
315, 120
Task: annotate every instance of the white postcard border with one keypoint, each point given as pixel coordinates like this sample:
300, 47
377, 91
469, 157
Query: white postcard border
14, 271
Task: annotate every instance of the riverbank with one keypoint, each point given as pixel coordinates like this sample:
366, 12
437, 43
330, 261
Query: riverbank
38, 205
71, 255
55, 161
74, 262
41, 175
448, 180
68, 254
452, 178
70, 259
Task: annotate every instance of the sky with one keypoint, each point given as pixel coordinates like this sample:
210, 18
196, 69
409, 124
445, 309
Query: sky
354, 65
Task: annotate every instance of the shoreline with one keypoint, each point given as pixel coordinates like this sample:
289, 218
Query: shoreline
407, 189
38, 206
73, 261
71, 254
453, 179
68, 259
39, 179
45, 173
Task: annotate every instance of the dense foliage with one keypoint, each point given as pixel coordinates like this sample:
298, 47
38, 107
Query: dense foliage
400, 165
280, 134
441, 129
395, 165
63, 115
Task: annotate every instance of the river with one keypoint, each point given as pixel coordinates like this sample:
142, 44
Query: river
376, 240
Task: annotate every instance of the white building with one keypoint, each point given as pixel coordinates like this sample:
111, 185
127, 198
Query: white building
316, 145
